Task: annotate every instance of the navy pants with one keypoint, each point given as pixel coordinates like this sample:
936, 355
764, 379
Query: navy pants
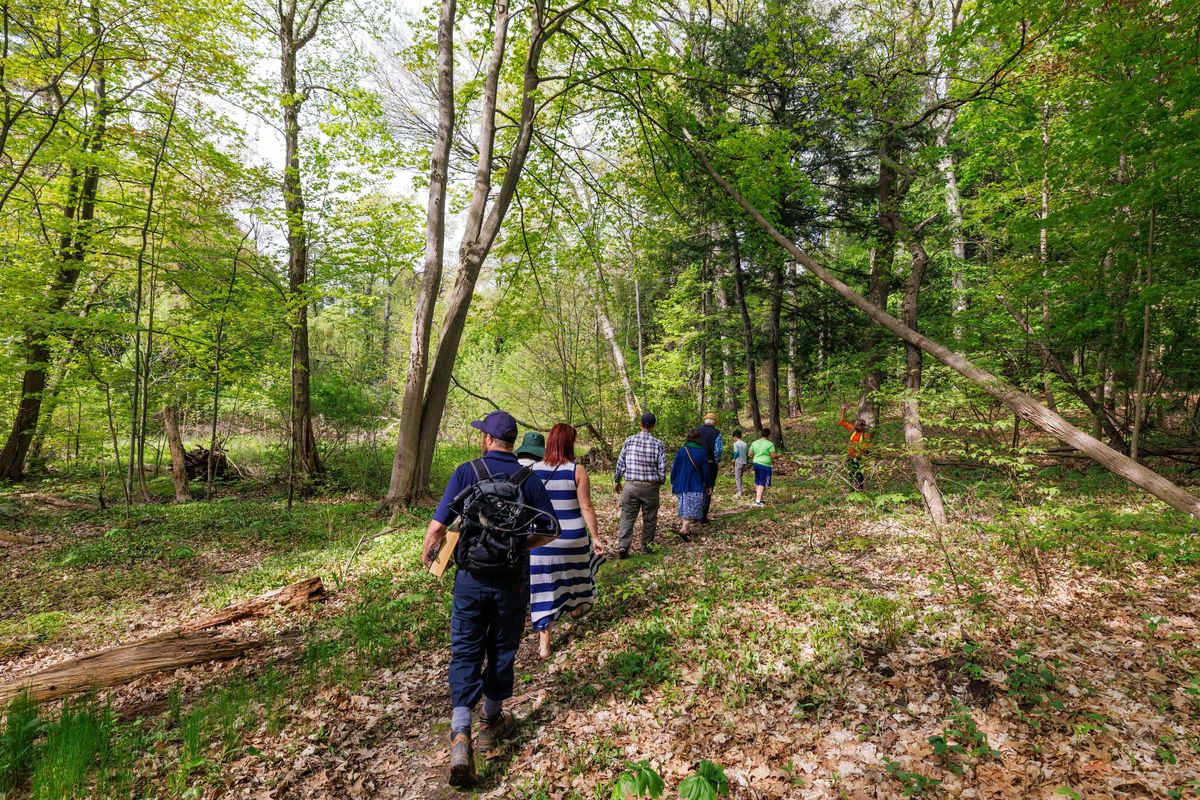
486, 626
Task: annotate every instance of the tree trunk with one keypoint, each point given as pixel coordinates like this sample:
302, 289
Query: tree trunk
175, 443
80, 210
482, 226
739, 286
402, 487
774, 348
958, 243
729, 393
1021, 404
1044, 254
879, 287
304, 460
1139, 398
793, 385
610, 335
914, 435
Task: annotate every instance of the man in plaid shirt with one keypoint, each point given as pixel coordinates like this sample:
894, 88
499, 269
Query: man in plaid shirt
643, 466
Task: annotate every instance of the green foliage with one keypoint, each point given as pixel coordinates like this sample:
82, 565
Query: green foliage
961, 741
914, 784
638, 780
22, 726
1033, 683
707, 783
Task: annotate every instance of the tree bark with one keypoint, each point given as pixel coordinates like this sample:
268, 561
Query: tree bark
739, 286
774, 348
1139, 398
879, 285
1044, 254
482, 226
402, 489
80, 210
170, 414
914, 434
1020, 403
304, 459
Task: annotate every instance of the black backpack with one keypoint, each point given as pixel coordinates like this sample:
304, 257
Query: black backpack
495, 522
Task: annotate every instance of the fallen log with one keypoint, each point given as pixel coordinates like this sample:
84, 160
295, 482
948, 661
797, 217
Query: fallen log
16, 538
186, 645
124, 663
294, 596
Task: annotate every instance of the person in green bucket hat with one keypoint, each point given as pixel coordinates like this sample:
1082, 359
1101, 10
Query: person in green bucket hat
532, 449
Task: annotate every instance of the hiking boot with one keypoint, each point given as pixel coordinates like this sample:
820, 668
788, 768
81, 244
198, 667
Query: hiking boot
622, 554
462, 761
492, 732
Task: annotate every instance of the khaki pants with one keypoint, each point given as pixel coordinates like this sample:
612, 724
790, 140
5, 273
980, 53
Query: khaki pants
638, 496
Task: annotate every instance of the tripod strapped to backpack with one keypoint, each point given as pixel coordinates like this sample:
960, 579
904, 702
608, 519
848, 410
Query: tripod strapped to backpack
496, 521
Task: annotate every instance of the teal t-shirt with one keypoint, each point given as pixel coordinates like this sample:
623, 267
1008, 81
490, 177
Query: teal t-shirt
762, 450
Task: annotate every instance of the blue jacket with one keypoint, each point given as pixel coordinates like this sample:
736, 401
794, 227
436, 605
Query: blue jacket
686, 478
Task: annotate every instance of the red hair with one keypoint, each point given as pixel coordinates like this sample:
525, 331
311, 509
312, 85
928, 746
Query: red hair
560, 446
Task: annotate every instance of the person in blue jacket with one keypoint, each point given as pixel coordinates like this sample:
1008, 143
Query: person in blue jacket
690, 481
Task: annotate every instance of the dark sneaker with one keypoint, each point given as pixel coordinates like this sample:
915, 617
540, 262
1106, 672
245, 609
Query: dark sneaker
462, 761
622, 554
649, 549
492, 732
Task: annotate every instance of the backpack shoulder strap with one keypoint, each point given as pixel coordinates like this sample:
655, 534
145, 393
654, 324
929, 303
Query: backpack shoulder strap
520, 476
482, 473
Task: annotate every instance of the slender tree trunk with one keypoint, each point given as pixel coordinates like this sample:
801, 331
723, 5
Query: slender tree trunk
304, 461
1139, 401
774, 349
1020, 403
793, 385
879, 286
483, 220
401, 490
80, 211
739, 286
1044, 253
637, 300
958, 242
610, 336
170, 414
729, 389
914, 434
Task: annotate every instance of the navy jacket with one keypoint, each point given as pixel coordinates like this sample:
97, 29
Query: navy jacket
686, 478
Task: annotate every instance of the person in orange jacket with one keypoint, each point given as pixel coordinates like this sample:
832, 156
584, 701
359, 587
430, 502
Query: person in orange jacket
860, 442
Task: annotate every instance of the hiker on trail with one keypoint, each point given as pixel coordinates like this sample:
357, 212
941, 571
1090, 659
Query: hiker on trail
505, 511
562, 574
689, 481
762, 450
710, 439
642, 464
531, 449
740, 452
860, 442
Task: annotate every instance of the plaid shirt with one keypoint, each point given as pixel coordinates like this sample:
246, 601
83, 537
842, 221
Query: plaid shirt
643, 458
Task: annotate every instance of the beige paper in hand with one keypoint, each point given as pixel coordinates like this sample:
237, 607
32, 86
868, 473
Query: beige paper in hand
445, 553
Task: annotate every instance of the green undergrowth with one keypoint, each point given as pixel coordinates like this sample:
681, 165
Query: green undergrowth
773, 603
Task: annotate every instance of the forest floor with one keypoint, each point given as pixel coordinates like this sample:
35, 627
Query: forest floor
1045, 644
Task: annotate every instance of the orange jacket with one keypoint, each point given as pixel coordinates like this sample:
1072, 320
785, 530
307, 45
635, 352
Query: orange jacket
856, 438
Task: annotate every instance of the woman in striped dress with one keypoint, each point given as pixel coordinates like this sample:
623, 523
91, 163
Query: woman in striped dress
562, 574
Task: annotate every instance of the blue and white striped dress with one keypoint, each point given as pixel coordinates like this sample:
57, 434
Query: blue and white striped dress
561, 573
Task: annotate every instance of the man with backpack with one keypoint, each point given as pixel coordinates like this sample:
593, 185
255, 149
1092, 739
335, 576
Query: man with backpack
713, 444
504, 514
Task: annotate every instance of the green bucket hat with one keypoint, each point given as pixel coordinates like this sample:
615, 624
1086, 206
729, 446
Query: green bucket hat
533, 444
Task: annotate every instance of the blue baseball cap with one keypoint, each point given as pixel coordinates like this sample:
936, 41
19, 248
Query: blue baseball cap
499, 425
